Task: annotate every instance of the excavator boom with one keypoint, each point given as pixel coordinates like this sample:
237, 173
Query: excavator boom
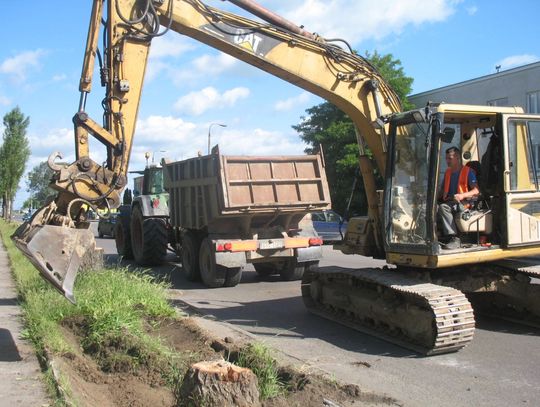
277, 47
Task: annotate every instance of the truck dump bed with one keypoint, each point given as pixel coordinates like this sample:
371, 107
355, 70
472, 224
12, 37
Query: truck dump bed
213, 187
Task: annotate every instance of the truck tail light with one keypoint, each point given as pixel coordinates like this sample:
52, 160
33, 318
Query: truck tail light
237, 246
315, 241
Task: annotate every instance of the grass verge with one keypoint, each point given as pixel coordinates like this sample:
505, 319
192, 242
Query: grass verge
257, 357
113, 308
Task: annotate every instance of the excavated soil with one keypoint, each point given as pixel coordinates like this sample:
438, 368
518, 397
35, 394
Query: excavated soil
105, 377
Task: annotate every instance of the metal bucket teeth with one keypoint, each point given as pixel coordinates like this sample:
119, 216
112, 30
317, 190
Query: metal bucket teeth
56, 251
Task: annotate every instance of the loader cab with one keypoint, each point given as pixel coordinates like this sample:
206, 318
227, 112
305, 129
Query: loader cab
502, 146
152, 181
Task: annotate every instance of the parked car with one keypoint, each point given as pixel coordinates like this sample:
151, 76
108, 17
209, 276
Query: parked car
106, 225
27, 215
329, 225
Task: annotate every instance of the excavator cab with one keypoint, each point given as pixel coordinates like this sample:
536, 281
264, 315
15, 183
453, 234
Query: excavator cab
501, 145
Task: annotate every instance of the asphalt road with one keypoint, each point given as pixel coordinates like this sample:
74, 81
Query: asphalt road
501, 367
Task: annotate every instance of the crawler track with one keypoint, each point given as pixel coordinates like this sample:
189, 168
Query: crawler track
516, 296
427, 318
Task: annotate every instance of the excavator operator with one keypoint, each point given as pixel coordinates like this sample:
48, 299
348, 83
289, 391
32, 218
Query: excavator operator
459, 186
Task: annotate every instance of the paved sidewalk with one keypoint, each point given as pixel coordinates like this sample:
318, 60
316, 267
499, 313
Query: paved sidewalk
21, 380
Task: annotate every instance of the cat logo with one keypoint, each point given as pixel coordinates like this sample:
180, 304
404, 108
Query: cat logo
256, 43
249, 41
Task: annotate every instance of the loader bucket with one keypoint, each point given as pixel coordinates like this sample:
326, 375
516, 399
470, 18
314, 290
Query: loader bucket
56, 251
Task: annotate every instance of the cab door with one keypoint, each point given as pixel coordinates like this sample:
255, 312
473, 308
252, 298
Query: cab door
521, 138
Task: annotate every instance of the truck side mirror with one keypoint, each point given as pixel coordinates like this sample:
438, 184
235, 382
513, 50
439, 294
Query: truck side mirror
447, 134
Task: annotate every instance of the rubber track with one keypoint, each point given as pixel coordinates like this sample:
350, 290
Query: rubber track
513, 267
452, 315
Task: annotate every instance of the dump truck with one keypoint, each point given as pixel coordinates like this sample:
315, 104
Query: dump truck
219, 213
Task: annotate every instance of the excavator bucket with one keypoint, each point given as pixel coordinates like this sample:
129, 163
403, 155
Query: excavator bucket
56, 251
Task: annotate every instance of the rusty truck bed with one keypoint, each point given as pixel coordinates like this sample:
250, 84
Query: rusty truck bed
209, 188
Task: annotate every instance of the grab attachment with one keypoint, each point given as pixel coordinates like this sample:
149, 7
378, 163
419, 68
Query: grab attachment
55, 247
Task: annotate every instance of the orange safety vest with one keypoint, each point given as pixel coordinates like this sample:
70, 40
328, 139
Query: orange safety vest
463, 184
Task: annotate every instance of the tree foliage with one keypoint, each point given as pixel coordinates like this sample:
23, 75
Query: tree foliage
14, 154
37, 183
327, 126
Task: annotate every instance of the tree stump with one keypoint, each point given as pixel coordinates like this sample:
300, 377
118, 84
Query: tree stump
219, 383
92, 260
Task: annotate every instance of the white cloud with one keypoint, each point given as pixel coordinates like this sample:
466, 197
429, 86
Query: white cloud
196, 103
19, 65
55, 140
205, 66
4, 101
163, 130
290, 103
59, 78
170, 46
472, 10
366, 19
258, 142
171, 137
177, 139
162, 50
517, 60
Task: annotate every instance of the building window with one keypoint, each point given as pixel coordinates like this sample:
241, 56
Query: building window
533, 102
498, 102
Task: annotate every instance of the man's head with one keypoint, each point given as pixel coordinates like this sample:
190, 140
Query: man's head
453, 158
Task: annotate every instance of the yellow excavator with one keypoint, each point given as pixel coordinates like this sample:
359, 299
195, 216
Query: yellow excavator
419, 300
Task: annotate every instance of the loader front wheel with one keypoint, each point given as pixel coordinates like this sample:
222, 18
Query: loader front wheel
149, 238
122, 238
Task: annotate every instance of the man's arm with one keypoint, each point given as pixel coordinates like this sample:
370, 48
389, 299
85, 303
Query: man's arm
473, 188
467, 195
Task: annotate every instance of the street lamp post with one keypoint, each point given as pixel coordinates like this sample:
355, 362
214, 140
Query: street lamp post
210, 128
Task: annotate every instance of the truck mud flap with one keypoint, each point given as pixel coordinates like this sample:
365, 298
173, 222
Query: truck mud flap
56, 251
308, 254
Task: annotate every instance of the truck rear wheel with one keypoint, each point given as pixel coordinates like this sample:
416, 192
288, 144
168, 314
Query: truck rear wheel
148, 238
212, 275
190, 256
292, 270
234, 275
122, 238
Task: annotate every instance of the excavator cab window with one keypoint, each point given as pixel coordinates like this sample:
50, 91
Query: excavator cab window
407, 188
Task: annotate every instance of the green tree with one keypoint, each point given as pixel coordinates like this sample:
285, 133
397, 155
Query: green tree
14, 154
327, 126
37, 183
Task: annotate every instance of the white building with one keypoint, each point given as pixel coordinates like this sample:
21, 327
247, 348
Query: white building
513, 87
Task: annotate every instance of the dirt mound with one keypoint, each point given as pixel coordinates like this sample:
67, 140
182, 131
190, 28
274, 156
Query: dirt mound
108, 376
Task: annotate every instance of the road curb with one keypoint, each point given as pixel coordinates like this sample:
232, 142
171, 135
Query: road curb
21, 377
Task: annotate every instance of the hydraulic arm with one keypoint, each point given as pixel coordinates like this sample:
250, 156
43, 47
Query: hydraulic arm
277, 47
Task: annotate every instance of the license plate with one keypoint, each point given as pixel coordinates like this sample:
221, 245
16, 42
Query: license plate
271, 244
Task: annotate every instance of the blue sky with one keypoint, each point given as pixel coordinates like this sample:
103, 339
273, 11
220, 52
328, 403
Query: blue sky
190, 85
